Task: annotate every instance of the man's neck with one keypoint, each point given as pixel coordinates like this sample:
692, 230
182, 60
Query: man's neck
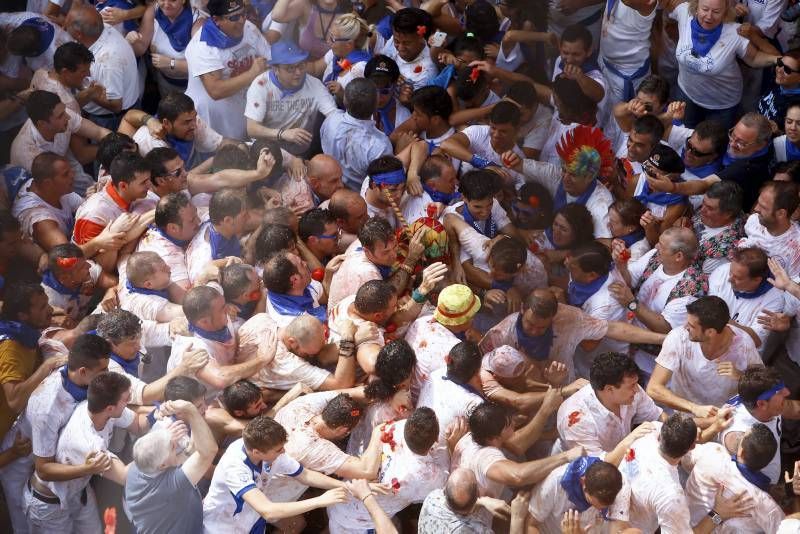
296, 291
673, 269
760, 415
46, 134
671, 461
434, 131
99, 420
54, 199
718, 345
224, 233
610, 406
353, 312
319, 426
73, 377
375, 199
779, 228
317, 254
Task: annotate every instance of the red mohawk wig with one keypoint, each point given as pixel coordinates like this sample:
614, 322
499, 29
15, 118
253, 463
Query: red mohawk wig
585, 151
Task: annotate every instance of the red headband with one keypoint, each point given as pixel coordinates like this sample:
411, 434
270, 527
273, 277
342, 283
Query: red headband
67, 263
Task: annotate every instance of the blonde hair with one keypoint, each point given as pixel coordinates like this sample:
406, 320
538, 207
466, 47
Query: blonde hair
353, 27
730, 10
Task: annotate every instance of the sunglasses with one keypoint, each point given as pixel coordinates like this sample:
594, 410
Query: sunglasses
788, 70
332, 39
691, 148
234, 18
177, 172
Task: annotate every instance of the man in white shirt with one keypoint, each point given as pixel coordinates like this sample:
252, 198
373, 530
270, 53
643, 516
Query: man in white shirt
761, 398
282, 104
657, 498
351, 137
290, 290
602, 413
248, 471
410, 463
577, 179
408, 46
223, 58
699, 364
719, 224
70, 283
714, 471
771, 227
589, 485
744, 287
183, 130
86, 436
49, 128
114, 65
32, 38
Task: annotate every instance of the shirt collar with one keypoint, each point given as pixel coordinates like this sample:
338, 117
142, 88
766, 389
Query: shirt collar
118, 200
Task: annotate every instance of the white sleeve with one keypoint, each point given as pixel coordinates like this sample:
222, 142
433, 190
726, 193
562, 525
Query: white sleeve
126, 419
675, 311
256, 107
202, 59
678, 136
670, 356
542, 173
323, 98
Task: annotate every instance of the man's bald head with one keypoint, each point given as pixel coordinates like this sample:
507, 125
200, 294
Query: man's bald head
304, 328
324, 175
461, 490
349, 208
322, 164
84, 24
542, 302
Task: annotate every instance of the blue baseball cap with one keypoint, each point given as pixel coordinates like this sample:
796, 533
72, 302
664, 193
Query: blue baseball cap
287, 53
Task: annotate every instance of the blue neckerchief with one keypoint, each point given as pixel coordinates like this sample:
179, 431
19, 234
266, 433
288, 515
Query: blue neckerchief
396, 177
560, 199
444, 77
179, 32
727, 159
460, 335
610, 5
536, 347
704, 40
384, 26
386, 120
182, 147
15, 178
221, 246
246, 310
356, 56
790, 92
163, 293
662, 199
571, 481
220, 336
701, 171
756, 478
50, 280
488, 228
46, 33
259, 527
212, 35
578, 293
762, 289
131, 367
180, 243
297, 304
503, 285
465, 386
22, 333
792, 151
587, 66
2, 282
128, 25
285, 91
77, 392
631, 238
438, 196
628, 90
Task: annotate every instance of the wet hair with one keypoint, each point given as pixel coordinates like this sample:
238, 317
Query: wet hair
432, 100
184, 388
487, 422
592, 257
87, 351
375, 230
40, 105
580, 221
239, 396
394, 364
678, 435
168, 209
758, 447
479, 185
119, 325
173, 105
421, 431
754, 381
711, 312
70, 56
508, 255
17, 300
112, 145
464, 361
577, 33
126, 165
409, 19
227, 202
157, 158
272, 238
630, 210
342, 411
505, 112
610, 369
278, 271
603, 481
373, 296
263, 433
653, 84
106, 389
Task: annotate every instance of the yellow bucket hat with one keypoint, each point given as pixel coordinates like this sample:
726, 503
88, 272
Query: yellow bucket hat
457, 305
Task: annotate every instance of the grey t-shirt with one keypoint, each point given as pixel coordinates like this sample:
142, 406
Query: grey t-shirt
436, 518
166, 502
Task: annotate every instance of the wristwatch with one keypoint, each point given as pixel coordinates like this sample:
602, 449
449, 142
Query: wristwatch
715, 518
633, 305
172, 64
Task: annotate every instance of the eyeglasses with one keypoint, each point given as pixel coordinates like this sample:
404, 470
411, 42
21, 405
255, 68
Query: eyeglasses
177, 172
332, 39
788, 70
234, 18
691, 148
738, 142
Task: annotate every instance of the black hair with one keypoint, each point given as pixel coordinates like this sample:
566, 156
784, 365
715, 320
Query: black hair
610, 369
227, 202
407, 20
375, 230
421, 431
479, 184
758, 447
106, 390
433, 100
184, 388
126, 166
394, 364
278, 270
40, 105
168, 209
156, 158
487, 422
592, 257
463, 362
342, 411
173, 105
711, 312
17, 300
272, 238
575, 33
505, 112
70, 56
87, 351
112, 145
678, 435
373, 296
239, 395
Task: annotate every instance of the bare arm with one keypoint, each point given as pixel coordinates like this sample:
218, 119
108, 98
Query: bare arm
220, 377
18, 393
367, 465
516, 475
660, 393
92, 131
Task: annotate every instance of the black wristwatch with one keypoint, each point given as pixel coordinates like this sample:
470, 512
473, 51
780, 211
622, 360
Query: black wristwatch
715, 518
633, 305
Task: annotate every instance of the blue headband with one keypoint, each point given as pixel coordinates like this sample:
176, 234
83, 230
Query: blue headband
390, 178
767, 395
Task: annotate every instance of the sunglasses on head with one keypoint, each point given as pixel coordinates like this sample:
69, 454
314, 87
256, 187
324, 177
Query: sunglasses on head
691, 148
788, 70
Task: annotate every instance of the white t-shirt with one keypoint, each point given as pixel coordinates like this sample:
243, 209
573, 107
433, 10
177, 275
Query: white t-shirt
480, 143
75, 307
448, 399
29, 142
49, 408
431, 342
713, 81
206, 139
417, 71
114, 67
549, 502
743, 421
78, 439
356, 70
353, 272
583, 420
695, 377
535, 130
224, 507
297, 110
624, 42
657, 498
713, 468
744, 311
785, 248
173, 255
11, 21
43, 82
29, 209
226, 114
143, 306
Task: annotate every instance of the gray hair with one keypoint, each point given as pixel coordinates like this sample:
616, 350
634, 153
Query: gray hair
119, 325
760, 123
303, 327
152, 450
684, 241
361, 98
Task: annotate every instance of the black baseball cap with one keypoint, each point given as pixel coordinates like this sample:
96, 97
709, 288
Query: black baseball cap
384, 66
219, 8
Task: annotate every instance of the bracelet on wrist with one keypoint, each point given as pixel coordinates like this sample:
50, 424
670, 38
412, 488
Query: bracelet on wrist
364, 500
407, 268
418, 297
280, 134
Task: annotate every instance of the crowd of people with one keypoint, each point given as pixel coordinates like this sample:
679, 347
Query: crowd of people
380, 266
